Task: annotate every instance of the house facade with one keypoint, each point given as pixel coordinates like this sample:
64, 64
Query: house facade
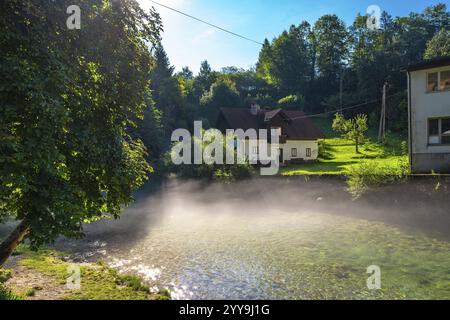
429, 116
298, 134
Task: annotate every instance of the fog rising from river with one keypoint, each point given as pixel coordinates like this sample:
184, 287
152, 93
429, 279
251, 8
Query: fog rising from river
277, 239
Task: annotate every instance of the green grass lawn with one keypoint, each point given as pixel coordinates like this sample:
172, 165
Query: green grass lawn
338, 154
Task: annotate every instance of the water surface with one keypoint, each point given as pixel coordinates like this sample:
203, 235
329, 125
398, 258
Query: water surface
279, 239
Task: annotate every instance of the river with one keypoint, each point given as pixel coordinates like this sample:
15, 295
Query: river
279, 239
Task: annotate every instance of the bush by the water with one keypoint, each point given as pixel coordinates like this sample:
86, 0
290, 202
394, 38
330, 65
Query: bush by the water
218, 172
211, 171
368, 175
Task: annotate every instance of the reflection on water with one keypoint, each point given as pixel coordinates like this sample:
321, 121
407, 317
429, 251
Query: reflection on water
272, 239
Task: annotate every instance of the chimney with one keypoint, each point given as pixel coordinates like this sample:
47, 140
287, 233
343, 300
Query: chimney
254, 108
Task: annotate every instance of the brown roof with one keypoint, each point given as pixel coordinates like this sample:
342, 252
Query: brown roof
298, 126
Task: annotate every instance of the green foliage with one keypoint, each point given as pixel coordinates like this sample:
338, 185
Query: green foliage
369, 174
66, 152
5, 293
337, 155
330, 41
351, 129
220, 172
167, 93
223, 93
291, 102
439, 45
5, 274
286, 62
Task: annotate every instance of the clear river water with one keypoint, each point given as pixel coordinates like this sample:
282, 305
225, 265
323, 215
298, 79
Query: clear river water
279, 239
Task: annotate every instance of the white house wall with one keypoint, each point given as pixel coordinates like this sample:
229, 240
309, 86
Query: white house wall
425, 157
301, 146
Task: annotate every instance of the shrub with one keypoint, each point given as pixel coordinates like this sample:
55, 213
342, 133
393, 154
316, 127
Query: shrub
219, 172
368, 175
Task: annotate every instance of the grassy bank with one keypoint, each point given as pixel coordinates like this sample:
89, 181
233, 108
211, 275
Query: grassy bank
44, 274
337, 156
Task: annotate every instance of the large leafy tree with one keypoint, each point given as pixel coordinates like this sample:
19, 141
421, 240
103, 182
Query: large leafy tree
68, 99
223, 93
331, 45
286, 63
439, 45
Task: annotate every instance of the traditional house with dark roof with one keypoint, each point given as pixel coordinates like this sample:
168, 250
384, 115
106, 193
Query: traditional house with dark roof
299, 135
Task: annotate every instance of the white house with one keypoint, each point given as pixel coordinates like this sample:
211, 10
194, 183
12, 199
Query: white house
299, 136
429, 115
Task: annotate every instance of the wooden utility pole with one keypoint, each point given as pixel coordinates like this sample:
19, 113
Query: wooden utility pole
382, 129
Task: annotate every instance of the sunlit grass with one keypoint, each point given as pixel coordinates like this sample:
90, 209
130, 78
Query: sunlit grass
339, 155
98, 281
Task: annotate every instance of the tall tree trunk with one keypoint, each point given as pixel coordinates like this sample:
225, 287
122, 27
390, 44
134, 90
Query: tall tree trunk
14, 239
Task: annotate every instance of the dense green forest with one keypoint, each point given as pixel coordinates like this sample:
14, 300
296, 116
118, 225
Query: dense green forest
85, 112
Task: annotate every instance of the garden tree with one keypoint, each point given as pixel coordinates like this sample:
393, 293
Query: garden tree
223, 93
68, 100
351, 129
166, 91
439, 45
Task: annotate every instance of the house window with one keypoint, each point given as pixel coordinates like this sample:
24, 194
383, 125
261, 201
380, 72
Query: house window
432, 82
445, 80
294, 152
255, 150
439, 131
438, 81
433, 131
308, 152
445, 131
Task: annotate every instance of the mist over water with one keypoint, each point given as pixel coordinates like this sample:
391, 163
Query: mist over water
279, 239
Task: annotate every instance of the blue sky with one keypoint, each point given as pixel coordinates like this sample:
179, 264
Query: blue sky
188, 42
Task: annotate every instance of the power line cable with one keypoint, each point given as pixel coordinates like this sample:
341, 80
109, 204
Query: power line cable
346, 108
206, 22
